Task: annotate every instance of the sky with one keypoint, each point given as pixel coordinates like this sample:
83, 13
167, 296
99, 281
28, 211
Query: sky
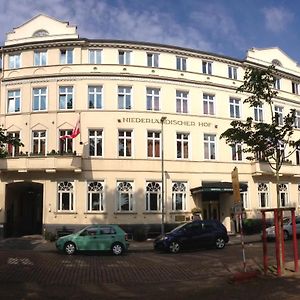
225, 27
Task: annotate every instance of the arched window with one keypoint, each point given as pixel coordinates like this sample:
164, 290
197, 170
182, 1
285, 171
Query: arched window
263, 194
179, 196
276, 62
41, 32
65, 196
95, 196
153, 196
125, 199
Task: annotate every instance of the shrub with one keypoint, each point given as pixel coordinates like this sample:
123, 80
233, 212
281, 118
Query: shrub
49, 236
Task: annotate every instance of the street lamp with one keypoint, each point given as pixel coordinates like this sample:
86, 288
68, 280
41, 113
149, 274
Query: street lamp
162, 120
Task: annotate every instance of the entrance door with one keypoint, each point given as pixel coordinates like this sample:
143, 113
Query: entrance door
211, 210
24, 209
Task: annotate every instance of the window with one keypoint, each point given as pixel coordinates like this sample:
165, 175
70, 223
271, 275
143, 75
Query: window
125, 143
124, 57
182, 142
152, 99
66, 97
95, 56
258, 113
236, 152
181, 63
65, 196
207, 67
66, 56
181, 102
65, 144
125, 196
208, 104
40, 57
235, 107
297, 119
277, 83
152, 60
153, 196
283, 194
95, 142
95, 196
95, 97
14, 101
232, 72
39, 101
263, 195
295, 88
39, 142
209, 146
245, 199
179, 196
11, 149
14, 61
153, 144
124, 97
279, 114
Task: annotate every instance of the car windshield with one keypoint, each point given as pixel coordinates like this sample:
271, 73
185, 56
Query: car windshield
178, 227
286, 221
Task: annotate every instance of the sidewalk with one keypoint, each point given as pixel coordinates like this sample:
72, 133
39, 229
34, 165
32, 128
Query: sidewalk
38, 243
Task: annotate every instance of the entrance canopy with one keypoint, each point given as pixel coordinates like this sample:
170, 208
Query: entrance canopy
217, 187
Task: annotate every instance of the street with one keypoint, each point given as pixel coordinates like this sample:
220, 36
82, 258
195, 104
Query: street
31, 274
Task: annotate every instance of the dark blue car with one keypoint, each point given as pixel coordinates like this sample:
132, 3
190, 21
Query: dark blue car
193, 235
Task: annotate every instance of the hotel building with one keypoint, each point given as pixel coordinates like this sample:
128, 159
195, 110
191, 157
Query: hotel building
150, 118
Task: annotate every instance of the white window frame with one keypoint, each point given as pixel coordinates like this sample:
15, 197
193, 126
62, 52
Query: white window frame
179, 189
12, 149
258, 113
209, 146
65, 188
182, 141
245, 199
295, 88
207, 67
208, 104
153, 99
263, 189
284, 194
14, 101
297, 119
95, 189
124, 57
66, 56
95, 56
153, 189
181, 63
125, 97
65, 145
153, 138
41, 137
125, 142
66, 93
39, 95
236, 152
125, 188
279, 111
14, 61
277, 83
152, 60
95, 97
235, 108
232, 72
40, 58
96, 138
182, 102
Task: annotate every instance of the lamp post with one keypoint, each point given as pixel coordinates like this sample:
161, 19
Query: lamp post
162, 120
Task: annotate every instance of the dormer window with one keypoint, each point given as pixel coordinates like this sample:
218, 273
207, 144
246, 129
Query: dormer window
41, 32
276, 62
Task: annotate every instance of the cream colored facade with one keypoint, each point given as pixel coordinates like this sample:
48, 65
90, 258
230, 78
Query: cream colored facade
45, 64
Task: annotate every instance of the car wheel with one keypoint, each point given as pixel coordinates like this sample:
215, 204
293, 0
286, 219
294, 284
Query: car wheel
286, 235
220, 243
174, 247
70, 248
117, 249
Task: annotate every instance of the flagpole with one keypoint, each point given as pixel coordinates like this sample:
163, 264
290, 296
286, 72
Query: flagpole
80, 141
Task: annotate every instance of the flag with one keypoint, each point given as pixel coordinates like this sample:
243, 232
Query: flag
75, 132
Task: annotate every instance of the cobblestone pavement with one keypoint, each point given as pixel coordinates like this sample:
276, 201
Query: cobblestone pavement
39, 272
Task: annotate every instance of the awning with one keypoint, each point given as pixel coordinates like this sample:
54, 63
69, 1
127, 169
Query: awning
217, 187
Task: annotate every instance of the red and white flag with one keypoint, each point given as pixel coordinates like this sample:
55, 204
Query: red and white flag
75, 132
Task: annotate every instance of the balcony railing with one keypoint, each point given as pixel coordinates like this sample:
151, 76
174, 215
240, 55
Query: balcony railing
26, 162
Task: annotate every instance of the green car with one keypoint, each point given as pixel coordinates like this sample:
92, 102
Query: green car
95, 238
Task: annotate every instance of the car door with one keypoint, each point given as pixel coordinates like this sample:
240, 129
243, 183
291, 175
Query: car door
107, 236
298, 225
191, 235
208, 235
88, 239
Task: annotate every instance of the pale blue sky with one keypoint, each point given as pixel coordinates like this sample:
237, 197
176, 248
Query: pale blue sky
227, 27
